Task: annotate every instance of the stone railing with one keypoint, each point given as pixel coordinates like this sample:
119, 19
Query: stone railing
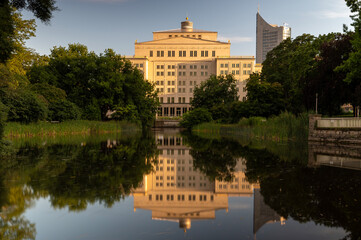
340, 130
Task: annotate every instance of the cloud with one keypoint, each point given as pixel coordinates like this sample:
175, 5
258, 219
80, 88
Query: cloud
235, 39
336, 9
328, 14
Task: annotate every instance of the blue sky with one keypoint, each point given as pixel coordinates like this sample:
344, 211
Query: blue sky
116, 24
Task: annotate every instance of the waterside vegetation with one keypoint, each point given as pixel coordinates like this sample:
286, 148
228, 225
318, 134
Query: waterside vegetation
78, 127
284, 127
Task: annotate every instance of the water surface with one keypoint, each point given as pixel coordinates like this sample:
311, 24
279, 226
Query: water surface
168, 185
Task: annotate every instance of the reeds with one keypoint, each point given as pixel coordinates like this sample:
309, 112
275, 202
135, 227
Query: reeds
286, 126
82, 127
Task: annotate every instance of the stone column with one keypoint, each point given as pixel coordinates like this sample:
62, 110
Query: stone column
312, 124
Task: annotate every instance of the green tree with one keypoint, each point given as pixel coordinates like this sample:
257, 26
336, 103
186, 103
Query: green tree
289, 63
195, 117
24, 105
216, 94
98, 84
329, 84
42, 9
264, 98
352, 65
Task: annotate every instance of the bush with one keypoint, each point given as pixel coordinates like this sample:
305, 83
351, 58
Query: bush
63, 110
195, 117
24, 105
3, 116
51, 94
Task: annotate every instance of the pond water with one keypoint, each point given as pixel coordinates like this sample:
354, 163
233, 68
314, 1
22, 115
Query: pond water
171, 185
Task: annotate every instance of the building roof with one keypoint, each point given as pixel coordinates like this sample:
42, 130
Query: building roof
191, 41
179, 30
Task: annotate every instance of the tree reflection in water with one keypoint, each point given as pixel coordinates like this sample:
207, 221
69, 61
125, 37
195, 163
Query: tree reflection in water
72, 175
75, 175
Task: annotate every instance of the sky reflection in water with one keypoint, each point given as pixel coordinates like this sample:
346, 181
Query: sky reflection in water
111, 188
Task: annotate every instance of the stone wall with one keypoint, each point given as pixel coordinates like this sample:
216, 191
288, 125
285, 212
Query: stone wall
344, 131
334, 154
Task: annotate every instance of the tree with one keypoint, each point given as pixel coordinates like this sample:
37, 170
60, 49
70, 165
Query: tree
263, 98
195, 117
24, 105
42, 9
352, 65
98, 84
216, 95
329, 84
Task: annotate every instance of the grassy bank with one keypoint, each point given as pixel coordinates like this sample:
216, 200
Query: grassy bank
78, 127
286, 126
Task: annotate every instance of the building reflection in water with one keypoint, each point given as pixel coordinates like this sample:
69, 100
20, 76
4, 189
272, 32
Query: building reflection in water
178, 192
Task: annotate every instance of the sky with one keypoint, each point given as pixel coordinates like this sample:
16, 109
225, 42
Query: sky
116, 24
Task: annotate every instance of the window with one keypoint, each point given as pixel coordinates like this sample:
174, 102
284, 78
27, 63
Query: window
150, 53
141, 65
195, 53
199, 36
169, 73
226, 65
249, 65
213, 53
169, 53
222, 65
202, 53
237, 72
222, 72
206, 66
158, 53
233, 65
191, 54
237, 65
161, 99
206, 53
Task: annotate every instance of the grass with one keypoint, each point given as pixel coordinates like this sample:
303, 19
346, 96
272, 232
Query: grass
284, 127
78, 127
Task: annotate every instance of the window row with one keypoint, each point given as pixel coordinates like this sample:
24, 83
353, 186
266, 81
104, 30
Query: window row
139, 65
172, 111
180, 197
172, 141
171, 100
181, 53
236, 65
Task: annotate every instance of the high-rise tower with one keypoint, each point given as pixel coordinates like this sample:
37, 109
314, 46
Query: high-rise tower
268, 37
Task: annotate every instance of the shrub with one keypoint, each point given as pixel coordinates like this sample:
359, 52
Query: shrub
51, 94
195, 117
3, 116
24, 105
63, 110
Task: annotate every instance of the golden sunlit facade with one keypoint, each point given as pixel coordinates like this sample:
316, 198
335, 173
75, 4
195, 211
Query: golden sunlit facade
176, 191
178, 60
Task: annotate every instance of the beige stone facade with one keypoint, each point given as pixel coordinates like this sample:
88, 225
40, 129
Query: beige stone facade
178, 60
176, 191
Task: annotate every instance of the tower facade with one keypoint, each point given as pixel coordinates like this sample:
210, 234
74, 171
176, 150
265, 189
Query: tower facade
268, 37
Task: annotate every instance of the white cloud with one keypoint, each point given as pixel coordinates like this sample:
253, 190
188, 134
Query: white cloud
235, 39
336, 9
